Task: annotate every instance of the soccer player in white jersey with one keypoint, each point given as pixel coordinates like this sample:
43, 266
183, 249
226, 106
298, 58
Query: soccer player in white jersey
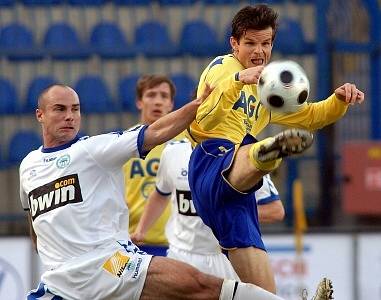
190, 240
73, 189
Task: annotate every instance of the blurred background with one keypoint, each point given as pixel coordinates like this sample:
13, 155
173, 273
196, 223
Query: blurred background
100, 47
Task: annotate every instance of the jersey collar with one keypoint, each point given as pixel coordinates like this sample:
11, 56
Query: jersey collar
61, 147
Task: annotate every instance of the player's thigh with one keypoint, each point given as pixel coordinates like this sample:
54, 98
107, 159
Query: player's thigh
171, 279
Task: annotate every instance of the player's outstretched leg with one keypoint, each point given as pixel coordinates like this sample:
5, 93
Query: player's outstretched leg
324, 291
267, 153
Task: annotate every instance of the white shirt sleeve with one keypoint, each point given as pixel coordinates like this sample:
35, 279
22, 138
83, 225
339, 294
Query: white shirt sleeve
268, 192
23, 195
164, 185
113, 150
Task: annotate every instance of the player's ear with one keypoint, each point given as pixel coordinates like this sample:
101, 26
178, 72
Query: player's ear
234, 44
139, 104
39, 115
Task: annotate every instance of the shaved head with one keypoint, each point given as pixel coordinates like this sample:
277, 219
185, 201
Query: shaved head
51, 92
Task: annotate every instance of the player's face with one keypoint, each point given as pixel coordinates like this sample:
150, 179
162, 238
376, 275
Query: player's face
254, 47
155, 103
60, 116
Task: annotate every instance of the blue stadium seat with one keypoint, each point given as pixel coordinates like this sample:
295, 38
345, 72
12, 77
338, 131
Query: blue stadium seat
17, 43
153, 40
185, 87
7, 2
42, 2
109, 41
290, 38
220, 1
94, 94
61, 41
132, 2
21, 143
127, 92
36, 86
8, 97
197, 38
86, 2
177, 2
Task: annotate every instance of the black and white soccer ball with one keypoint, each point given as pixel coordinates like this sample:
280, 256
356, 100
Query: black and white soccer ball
283, 86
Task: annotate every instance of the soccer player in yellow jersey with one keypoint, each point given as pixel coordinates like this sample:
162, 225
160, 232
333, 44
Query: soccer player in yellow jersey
227, 163
154, 99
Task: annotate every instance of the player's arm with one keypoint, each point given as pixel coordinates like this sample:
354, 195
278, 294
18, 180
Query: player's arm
32, 234
174, 123
156, 204
317, 115
227, 89
271, 212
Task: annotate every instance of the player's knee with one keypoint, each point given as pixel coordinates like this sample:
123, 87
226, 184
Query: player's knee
204, 284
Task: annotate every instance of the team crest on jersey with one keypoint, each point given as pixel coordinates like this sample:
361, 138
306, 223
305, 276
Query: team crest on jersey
63, 161
117, 263
60, 192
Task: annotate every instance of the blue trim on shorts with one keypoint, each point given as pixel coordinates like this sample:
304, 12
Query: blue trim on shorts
154, 250
42, 291
232, 215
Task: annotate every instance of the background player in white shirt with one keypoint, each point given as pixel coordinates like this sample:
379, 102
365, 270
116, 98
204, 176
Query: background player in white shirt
73, 190
190, 240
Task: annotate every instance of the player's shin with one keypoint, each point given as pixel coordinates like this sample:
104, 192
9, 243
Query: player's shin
269, 162
234, 290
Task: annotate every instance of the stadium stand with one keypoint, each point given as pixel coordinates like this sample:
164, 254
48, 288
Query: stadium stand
94, 94
185, 86
17, 43
153, 40
108, 40
61, 41
21, 143
8, 97
127, 92
207, 44
36, 86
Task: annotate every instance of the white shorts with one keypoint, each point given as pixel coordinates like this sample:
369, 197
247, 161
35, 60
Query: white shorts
214, 264
117, 271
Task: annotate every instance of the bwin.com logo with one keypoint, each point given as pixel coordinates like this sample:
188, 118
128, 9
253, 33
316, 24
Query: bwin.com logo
10, 280
63, 161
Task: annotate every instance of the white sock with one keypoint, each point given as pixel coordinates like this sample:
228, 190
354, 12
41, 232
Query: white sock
234, 290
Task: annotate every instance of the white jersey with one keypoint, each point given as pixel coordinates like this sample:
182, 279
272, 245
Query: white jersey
75, 194
185, 230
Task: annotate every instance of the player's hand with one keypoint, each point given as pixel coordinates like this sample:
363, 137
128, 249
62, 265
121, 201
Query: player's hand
349, 94
137, 238
250, 75
206, 92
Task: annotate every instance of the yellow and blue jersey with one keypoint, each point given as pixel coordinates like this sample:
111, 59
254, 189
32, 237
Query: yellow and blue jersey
140, 176
233, 109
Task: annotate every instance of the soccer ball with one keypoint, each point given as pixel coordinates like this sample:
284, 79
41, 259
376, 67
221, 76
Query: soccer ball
283, 86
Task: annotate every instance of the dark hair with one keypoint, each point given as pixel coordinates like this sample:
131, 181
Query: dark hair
256, 17
150, 81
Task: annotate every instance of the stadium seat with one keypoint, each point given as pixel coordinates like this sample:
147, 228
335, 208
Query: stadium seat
132, 2
127, 92
86, 2
21, 143
207, 41
153, 40
62, 42
94, 94
17, 43
108, 40
290, 38
177, 2
41, 2
220, 1
7, 2
36, 86
185, 87
8, 97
